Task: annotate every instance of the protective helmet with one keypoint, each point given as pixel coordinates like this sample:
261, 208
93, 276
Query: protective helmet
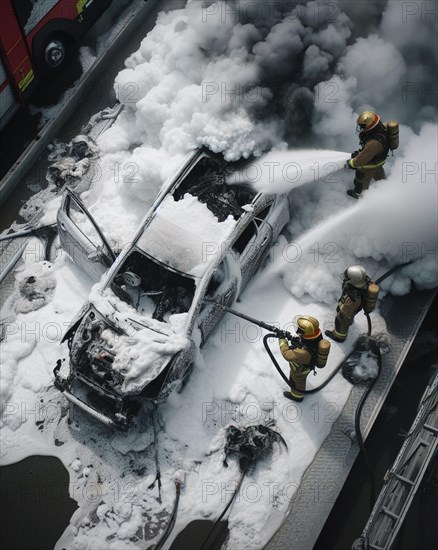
308, 327
367, 121
356, 275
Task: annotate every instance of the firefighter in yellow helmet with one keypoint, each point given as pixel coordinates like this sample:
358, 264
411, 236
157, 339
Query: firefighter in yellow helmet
358, 292
311, 351
368, 161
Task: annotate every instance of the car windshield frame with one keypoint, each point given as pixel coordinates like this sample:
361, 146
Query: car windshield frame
124, 295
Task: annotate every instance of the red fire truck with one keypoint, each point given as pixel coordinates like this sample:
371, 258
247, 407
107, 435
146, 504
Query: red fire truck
37, 38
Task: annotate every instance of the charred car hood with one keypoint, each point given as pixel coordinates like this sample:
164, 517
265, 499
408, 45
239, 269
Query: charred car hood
122, 357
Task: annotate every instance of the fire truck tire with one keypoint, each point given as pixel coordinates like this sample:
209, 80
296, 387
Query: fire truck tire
55, 55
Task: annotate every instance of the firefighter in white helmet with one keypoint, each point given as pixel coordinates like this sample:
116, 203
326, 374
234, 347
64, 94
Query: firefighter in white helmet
310, 352
358, 292
368, 161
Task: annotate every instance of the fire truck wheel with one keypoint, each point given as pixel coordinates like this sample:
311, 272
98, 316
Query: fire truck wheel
55, 55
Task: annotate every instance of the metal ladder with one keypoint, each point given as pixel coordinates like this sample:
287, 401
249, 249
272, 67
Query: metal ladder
403, 479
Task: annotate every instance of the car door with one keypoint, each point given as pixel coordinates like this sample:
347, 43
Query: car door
81, 238
252, 243
222, 290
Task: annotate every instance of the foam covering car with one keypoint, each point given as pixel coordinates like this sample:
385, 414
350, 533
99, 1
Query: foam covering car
159, 300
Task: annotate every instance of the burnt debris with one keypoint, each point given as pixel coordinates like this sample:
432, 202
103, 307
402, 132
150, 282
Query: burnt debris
250, 444
208, 183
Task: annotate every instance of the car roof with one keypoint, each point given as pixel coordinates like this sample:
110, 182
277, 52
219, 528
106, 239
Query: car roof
185, 235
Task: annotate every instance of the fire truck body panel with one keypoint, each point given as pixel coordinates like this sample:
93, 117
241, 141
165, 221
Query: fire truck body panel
26, 28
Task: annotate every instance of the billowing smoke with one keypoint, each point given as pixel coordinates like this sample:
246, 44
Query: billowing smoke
244, 78
392, 70
237, 77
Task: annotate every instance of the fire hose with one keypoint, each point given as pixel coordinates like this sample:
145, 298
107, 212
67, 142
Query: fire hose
277, 333
376, 349
293, 340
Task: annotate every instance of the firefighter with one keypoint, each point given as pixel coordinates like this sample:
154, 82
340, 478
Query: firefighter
374, 148
309, 352
358, 292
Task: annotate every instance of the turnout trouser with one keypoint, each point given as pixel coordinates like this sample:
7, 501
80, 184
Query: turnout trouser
342, 324
363, 178
297, 378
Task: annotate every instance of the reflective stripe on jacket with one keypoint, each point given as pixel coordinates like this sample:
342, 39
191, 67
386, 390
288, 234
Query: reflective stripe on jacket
299, 358
371, 150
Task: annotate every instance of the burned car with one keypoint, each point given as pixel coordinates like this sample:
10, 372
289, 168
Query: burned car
135, 340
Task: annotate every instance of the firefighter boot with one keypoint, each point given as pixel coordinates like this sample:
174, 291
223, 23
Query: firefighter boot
331, 334
292, 397
352, 193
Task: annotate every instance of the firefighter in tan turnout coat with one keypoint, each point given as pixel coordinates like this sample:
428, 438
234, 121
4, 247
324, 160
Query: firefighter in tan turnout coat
376, 140
312, 351
358, 292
